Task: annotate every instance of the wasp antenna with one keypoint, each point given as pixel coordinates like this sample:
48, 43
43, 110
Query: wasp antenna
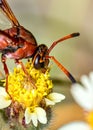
75, 34
62, 39
62, 68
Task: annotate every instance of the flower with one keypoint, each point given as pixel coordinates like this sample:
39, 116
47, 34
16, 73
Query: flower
83, 95
29, 95
75, 126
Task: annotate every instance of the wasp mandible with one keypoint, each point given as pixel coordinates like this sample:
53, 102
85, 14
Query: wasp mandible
18, 43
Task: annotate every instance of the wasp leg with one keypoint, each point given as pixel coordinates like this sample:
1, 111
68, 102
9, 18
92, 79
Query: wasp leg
62, 68
25, 71
3, 59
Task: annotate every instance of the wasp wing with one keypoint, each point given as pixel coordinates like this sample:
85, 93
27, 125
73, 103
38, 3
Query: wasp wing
4, 21
8, 12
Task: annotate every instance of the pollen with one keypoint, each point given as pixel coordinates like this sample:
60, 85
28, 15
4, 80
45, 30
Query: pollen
22, 90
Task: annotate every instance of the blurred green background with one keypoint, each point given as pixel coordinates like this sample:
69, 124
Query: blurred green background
50, 20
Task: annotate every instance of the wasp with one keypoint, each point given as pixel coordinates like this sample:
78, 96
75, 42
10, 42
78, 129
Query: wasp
18, 43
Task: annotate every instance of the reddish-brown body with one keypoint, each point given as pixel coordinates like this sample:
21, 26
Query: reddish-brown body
18, 43
23, 43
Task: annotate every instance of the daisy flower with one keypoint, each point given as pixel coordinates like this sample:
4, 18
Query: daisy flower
30, 97
83, 94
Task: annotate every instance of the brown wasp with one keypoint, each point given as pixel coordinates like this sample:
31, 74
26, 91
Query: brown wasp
18, 43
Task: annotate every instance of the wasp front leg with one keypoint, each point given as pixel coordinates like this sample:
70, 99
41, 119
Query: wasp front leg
3, 59
26, 72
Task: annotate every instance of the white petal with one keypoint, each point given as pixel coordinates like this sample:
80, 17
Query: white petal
2, 91
4, 102
27, 116
87, 82
41, 115
34, 119
49, 102
56, 97
81, 96
76, 126
31, 117
91, 78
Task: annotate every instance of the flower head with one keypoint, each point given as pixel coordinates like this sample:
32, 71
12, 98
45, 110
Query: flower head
83, 95
29, 95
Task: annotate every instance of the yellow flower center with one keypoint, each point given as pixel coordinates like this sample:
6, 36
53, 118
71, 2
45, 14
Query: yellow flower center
21, 89
89, 118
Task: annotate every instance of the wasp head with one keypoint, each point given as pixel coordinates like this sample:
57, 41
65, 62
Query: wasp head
39, 59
